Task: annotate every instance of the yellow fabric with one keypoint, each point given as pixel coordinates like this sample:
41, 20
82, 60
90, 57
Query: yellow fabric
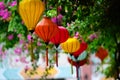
71, 45
30, 12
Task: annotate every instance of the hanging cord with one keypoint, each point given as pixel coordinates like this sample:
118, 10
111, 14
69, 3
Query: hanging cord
46, 53
46, 7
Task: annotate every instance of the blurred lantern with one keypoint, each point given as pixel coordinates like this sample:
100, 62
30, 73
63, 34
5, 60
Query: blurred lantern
71, 45
60, 37
46, 29
31, 11
83, 47
102, 53
77, 62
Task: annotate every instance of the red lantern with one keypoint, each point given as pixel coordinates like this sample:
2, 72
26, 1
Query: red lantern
83, 47
60, 37
46, 29
102, 53
77, 64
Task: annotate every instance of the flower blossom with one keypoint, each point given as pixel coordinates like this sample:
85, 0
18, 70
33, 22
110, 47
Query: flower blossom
92, 36
10, 37
14, 3
5, 14
2, 6
18, 50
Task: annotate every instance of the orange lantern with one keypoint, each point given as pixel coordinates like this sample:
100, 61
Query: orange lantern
46, 29
102, 53
71, 45
31, 11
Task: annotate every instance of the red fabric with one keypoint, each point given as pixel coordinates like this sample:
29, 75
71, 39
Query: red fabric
83, 47
46, 29
78, 63
101, 53
61, 36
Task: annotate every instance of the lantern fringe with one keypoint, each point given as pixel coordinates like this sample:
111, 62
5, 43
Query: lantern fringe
32, 54
46, 56
71, 67
77, 72
56, 58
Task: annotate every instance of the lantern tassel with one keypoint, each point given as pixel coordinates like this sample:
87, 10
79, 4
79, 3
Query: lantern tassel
56, 58
32, 54
46, 56
77, 73
71, 67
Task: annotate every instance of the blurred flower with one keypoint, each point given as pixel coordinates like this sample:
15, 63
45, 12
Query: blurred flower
58, 19
92, 36
13, 3
29, 37
76, 35
18, 50
23, 60
10, 37
68, 24
5, 14
21, 41
19, 35
39, 44
59, 8
2, 6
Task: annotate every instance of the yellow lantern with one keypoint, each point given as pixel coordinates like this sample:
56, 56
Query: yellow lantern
30, 12
71, 45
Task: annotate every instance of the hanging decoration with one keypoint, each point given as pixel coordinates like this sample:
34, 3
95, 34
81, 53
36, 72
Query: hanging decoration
77, 62
83, 47
30, 12
60, 37
46, 29
101, 53
71, 45
78, 58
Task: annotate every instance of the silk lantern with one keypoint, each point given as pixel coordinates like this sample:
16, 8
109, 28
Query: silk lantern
83, 47
101, 53
77, 64
71, 45
30, 12
60, 37
46, 29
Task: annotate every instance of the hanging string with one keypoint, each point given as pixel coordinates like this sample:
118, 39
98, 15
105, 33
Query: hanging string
46, 7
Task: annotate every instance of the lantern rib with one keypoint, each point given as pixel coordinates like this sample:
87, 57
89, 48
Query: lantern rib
44, 38
39, 33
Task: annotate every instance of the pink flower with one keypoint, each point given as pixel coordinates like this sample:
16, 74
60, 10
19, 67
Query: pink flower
29, 37
10, 37
23, 60
18, 50
14, 3
68, 24
2, 6
5, 14
38, 44
92, 36
58, 19
21, 41
76, 35
19, 35
59, 8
